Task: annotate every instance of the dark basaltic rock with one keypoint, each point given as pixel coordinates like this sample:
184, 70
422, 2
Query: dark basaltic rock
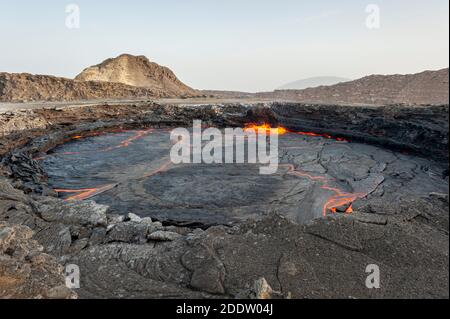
28, 173
87, 213
420, 129
25, 271
128, 232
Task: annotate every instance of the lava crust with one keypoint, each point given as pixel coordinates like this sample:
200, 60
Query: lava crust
94, 185
130, 171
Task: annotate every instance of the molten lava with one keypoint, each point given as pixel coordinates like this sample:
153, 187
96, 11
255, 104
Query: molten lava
266, 128
327, 136
281, 131
164, 167
85, 193
125, 143
340, 199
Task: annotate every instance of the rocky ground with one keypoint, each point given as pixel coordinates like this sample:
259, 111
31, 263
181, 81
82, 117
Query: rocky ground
127, 256
26, 87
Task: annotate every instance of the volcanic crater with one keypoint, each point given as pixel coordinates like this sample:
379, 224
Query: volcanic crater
131, 172
355, 186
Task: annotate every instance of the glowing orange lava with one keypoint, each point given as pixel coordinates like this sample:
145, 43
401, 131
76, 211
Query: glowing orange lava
85, 193
125, 143
164, 167
327, 136
281, 131
340, 199
266, 128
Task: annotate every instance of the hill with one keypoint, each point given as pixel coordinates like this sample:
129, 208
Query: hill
136, 71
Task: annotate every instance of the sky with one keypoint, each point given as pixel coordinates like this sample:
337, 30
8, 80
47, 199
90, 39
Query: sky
242, 45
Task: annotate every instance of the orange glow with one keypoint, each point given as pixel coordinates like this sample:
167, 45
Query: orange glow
341, 199
87, 134
293, 171
337, 200
281, 131
164, 167
125, 143
265, 127
327, 136
85, 193
139, 134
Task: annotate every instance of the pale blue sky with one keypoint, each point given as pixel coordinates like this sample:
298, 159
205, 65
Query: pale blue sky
248, 45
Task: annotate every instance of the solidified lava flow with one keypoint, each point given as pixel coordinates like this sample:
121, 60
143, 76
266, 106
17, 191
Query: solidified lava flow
131, 171
339, 199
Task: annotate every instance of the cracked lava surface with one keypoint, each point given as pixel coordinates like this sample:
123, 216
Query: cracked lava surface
318, 175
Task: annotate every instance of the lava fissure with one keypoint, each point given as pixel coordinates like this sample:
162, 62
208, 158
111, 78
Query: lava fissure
334, 196
279, 130
123, 144
85, 193
265, 128
333, 203
339, 199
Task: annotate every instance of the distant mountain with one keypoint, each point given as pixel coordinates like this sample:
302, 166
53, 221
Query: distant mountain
313, 82
137, 71
425, 88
